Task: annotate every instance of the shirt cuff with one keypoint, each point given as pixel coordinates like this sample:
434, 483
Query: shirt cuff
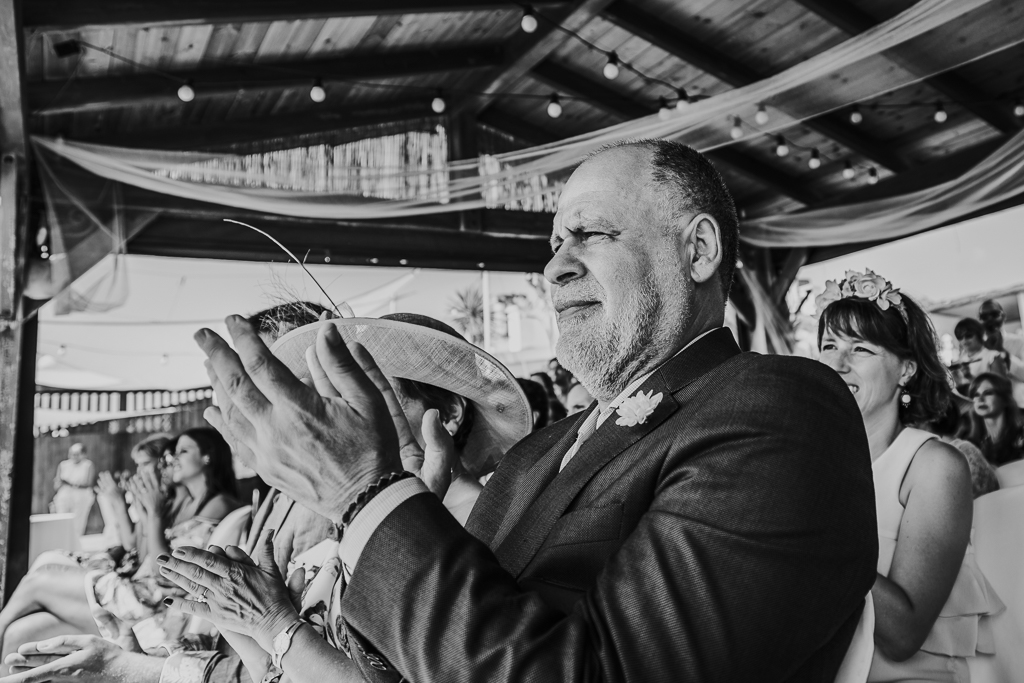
187, 667
359, 531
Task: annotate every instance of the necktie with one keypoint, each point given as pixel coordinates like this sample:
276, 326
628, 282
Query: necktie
587, 429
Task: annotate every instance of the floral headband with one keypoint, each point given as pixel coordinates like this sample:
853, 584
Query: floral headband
866, 285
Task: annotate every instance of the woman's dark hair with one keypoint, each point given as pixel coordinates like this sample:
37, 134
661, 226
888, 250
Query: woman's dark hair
153, 446
277, 321
543, 378
912, 338
221, 473
969, 327
947, 424
539, 402
1011, 415
443, 401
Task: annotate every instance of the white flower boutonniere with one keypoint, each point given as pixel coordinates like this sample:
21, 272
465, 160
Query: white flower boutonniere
636, 409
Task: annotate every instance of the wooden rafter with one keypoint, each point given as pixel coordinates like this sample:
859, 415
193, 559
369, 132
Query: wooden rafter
726, 69
566, 80
526, 50
853, 20
51, 97
74, 14
273, 127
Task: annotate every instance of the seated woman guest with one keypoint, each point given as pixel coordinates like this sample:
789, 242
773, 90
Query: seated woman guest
975, 357
111, 600
931, 602
995, 419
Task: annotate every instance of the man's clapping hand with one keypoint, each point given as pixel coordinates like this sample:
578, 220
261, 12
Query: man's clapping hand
319, 450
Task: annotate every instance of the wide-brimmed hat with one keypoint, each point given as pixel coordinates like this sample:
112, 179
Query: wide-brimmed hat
422, 349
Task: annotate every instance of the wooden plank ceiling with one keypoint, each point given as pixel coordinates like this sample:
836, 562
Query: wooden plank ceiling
252, 64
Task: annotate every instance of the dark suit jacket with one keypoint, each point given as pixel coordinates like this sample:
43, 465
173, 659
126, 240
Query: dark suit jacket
731, 537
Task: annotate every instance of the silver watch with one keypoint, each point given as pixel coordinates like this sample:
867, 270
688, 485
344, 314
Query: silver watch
282, 642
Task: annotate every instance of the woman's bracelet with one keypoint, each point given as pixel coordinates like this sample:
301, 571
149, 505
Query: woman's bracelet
367, 494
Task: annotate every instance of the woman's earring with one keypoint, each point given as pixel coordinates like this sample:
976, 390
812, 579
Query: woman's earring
905, 398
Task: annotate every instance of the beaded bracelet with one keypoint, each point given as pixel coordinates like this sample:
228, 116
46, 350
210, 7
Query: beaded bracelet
367, 494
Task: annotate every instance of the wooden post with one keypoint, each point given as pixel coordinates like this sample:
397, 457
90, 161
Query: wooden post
462, 144
14, 169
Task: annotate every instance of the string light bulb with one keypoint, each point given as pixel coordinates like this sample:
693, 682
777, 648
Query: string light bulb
529, 22
940, 114
61, 350
664, 112
683, 99
872, 176
855, 115
164, 359
761, 116
849, 172
611, 69
815, 161
186, 93
781, 148
1018, 109
317, 92
737, 128
438, 104
554, 106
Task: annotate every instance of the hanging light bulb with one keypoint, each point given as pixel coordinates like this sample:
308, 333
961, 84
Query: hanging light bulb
848, 171
438, 103
737, 129
61, 350
186, 93
529, 22
761, 116
1018, 109
872, 176
664, 112
317, 92
164, 359
940, 115
781, 148
611, 69
855, 115
554, 106
815, 161
683, 100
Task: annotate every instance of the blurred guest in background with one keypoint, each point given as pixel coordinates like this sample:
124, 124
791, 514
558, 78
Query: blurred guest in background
983, 474
73, 486
538, 400
562, 379
932, 603
578, 399
996, 420
556, 411
998, 338
975, 359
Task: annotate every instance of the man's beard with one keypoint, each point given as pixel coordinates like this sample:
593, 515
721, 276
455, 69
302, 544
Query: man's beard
604, 354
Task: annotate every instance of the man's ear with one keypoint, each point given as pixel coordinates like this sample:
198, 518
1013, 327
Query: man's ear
703, 247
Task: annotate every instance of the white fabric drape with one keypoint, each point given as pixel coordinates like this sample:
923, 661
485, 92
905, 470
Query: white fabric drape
859, 63
997, 178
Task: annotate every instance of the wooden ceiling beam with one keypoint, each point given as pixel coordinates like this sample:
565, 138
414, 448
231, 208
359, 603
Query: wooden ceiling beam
728, 70
515, 126
65, 15
256, 130
56, 97
568, 81
852, 20
525, 50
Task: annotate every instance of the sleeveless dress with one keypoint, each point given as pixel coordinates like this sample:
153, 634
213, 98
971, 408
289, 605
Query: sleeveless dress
75, 494
963, 628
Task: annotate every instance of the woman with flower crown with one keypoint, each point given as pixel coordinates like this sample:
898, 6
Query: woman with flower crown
931, 602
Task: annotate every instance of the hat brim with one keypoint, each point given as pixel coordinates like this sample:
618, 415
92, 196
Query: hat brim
502, 413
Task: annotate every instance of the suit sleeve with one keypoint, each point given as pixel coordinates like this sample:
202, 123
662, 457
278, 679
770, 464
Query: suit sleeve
758, 547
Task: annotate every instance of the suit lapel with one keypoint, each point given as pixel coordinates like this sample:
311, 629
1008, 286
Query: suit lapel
505, 489
521, 544
524, 533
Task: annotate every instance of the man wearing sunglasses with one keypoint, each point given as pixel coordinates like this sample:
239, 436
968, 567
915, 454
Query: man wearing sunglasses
992, 318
